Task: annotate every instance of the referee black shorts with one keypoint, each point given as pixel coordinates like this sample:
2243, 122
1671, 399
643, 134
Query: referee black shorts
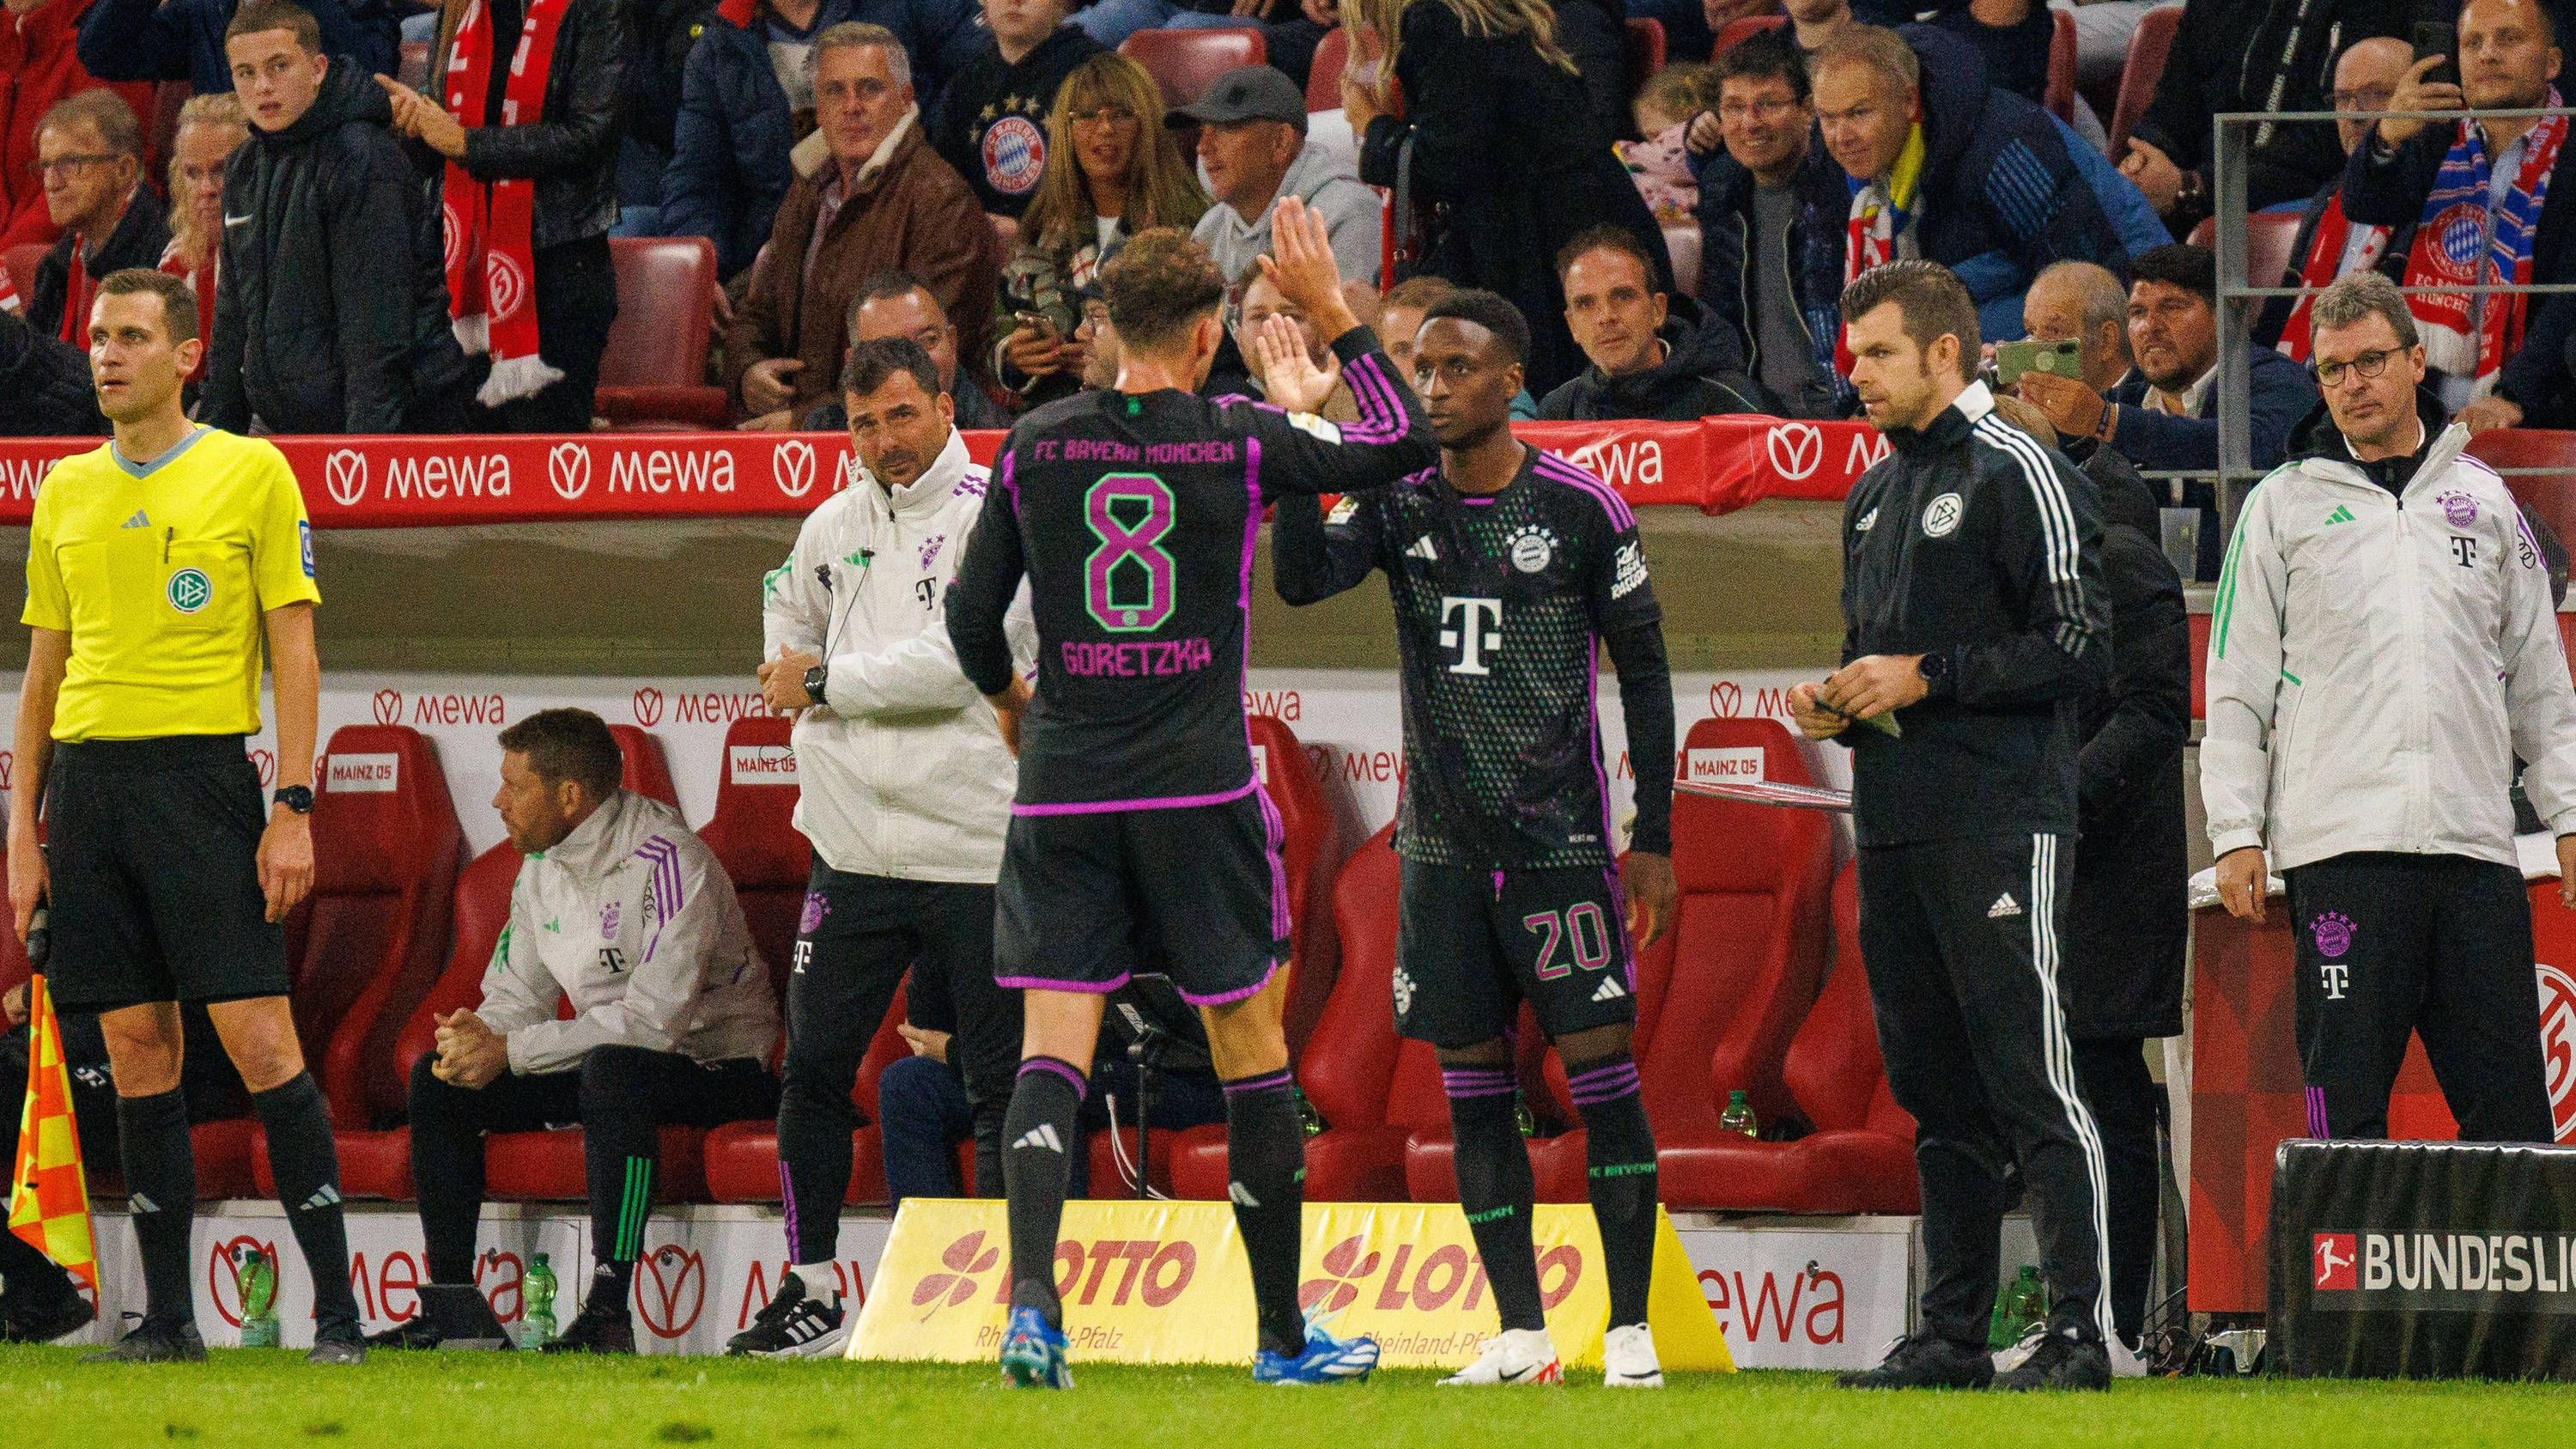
1195, 894
153, 846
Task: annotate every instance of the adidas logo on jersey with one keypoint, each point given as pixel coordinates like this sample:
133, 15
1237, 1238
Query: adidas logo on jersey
137, 521
1610, 989
2340, 515
2004, 906
1866, 520
1422, 549
1041, 1138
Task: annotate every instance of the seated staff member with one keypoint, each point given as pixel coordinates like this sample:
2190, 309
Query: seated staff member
157, 568
621, 908
904, 786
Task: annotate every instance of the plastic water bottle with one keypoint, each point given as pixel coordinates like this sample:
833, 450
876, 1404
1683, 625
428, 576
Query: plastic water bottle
537, 1293
1308, 1119
2022, 1303
258, 1279
1738, 1116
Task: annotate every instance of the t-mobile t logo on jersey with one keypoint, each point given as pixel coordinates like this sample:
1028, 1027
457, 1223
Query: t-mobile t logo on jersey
1477, 635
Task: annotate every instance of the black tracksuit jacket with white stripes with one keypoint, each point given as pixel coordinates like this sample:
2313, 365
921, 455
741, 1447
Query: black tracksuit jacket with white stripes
1972, 541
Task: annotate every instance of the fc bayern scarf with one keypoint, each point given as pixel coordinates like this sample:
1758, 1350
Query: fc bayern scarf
1881, 227
2323, 265
2462, 242
489, 226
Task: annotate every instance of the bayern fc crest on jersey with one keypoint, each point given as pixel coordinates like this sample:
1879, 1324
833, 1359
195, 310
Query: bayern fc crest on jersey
1014, 154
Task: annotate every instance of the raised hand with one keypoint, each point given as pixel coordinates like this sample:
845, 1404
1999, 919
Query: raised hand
1289, 378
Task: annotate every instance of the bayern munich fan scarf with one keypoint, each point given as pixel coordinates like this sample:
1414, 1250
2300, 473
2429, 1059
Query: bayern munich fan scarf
2323, 264
1881, 225
2456, 245
489, 226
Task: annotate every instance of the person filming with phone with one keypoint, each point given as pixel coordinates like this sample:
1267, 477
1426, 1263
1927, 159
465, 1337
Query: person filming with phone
2497, 360
2163, 413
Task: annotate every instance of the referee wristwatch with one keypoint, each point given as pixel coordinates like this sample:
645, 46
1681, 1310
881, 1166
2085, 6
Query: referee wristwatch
1934, 667
815, 679
298, 798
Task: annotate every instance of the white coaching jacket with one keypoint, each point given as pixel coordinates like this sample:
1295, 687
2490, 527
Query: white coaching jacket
632, 918
902, 772
2376, 663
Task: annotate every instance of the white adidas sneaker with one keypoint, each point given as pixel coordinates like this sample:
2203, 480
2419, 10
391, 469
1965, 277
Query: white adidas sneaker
1628, 1358
1515, 1356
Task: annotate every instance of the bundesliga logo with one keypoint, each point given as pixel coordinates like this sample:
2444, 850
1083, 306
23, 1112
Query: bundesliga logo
2448, 1262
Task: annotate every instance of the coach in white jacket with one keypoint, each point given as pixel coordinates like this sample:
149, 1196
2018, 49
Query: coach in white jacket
2383, 648
622, 912
905, 790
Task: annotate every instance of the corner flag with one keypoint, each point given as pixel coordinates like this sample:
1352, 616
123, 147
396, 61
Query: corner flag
48, 1193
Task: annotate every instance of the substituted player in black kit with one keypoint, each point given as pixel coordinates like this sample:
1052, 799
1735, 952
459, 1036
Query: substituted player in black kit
1509, 569
1138, 828
1974, 610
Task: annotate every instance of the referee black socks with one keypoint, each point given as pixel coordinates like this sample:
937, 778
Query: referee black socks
306, 1163
1037, 1133
1265, 1169
1619, 1152
161, 1186
1494, 1186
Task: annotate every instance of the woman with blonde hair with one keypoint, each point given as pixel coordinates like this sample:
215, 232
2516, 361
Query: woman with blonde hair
1498, 159
1112, 170
211, 128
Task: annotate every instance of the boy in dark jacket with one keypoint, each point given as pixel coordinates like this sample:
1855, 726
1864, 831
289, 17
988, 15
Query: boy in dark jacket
992, 122
330, 311
1652, 355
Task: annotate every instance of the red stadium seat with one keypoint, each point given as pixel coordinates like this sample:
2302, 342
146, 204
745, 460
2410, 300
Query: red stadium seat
2549, 496
21, 262
753, 833
654, 373
1350, 1064
161, 130
742, 1157
2270, 237
376, 1161
2148, 45
1184, 62
2059, 97
1324, 75
1859, 1155
1681, 240
1308, 830
1645, 50
1742, 29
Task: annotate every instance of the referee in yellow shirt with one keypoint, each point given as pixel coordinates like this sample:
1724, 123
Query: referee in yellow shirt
154, 569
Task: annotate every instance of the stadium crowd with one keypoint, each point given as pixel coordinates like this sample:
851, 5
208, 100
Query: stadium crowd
397, 220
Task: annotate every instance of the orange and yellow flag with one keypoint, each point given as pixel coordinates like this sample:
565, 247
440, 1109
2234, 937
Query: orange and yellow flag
48, 1193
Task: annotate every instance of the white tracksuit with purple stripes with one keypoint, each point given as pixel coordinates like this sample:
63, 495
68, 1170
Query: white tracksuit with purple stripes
632, 918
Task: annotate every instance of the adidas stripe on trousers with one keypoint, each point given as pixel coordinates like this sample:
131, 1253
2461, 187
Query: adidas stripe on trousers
1961, 941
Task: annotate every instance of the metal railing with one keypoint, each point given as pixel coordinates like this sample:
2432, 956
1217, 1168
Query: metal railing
2239, 301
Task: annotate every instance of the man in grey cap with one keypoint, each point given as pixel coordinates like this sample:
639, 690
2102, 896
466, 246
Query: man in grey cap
1253, 150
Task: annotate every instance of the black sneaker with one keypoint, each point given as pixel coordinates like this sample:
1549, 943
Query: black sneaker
153, 1341
2064, 1359
419, 1332
337, 1343
1920, 1361
42, 1311
596, 1330
794, 1325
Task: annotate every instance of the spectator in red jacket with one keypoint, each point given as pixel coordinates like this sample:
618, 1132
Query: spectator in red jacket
36, 56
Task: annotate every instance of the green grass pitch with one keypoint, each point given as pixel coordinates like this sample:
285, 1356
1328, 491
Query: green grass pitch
493, 1401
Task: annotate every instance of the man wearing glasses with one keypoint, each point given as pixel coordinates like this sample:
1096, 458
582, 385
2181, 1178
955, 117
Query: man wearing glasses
2383, 647
2331, 245
89, 159
899, 304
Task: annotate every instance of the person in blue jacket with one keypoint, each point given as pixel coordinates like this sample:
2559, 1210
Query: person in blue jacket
150, 40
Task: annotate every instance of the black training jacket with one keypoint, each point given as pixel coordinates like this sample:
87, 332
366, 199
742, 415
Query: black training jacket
1973, 542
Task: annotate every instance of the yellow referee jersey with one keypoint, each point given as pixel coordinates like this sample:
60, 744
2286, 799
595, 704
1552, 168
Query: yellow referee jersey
160, 572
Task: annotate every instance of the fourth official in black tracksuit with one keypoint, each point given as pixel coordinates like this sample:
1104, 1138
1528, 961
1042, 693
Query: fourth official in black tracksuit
1976, 548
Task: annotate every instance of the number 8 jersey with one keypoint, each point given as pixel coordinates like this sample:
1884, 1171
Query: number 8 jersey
1134, 518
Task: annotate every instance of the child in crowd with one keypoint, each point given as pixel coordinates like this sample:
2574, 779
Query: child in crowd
1661, 163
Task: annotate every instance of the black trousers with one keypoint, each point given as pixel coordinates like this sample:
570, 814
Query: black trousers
576, 303
620, 1097
2436, 945
2112, 1071
1961, 941
859, 935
